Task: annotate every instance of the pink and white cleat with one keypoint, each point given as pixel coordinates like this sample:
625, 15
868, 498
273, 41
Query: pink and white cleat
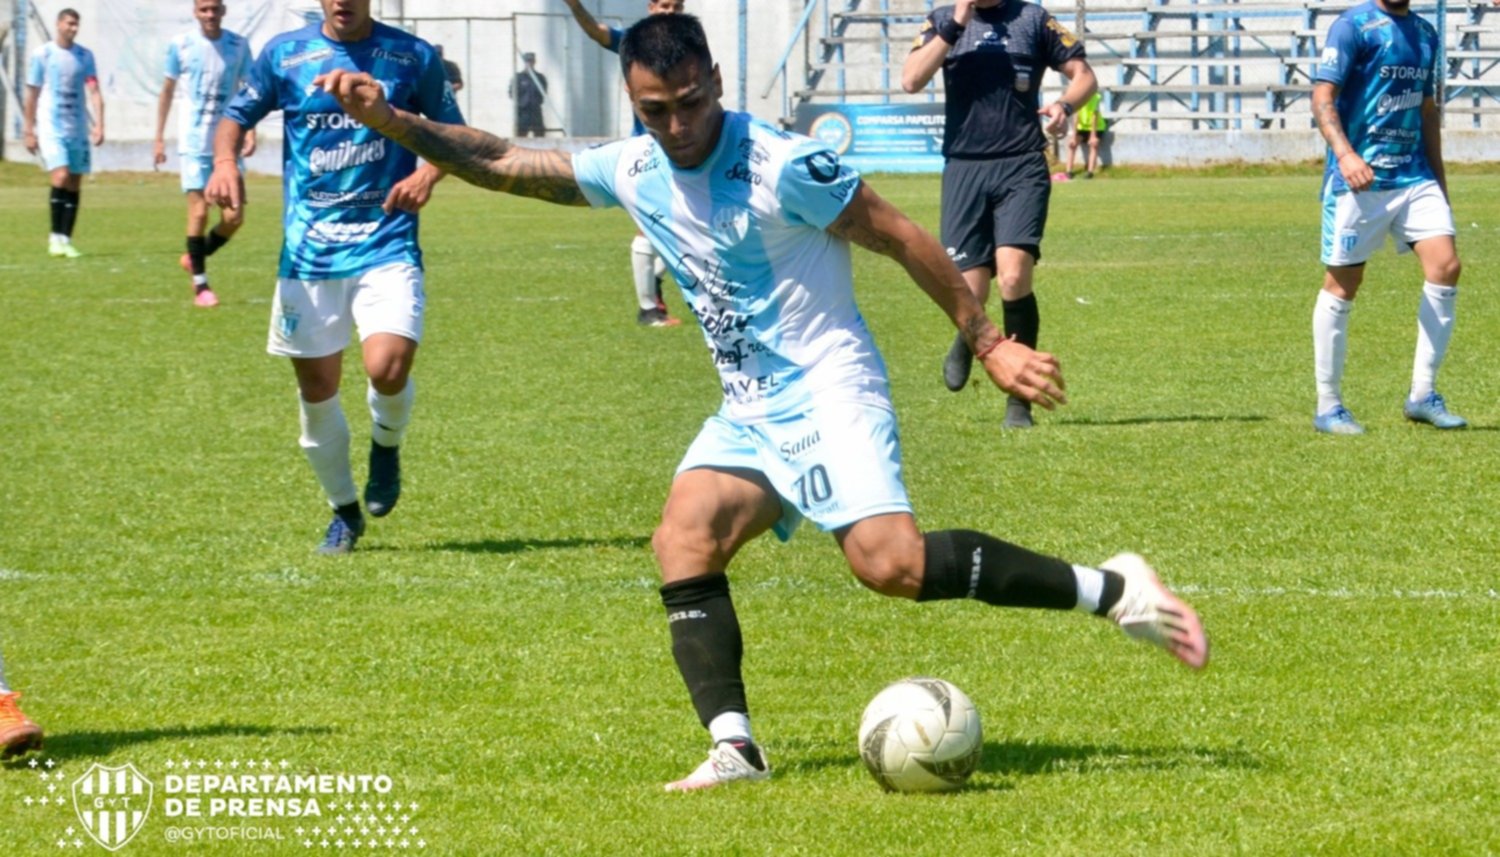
206, 298
1148, 611
728, 761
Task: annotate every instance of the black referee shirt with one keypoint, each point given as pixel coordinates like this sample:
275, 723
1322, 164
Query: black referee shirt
993, 77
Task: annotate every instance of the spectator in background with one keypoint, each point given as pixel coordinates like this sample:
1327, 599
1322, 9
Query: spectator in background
529, 89
451, 70
1088, 130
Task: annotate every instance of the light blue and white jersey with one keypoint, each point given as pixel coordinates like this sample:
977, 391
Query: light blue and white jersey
61, 74
336, 173
1384, 66
209, 72
744, 235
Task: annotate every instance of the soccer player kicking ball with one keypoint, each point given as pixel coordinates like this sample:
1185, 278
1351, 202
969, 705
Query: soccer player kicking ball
756, 224
350, 251
215, 61
55, 124
1373, 101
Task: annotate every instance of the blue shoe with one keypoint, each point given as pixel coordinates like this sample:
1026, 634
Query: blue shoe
384, 487
341, 536
1337, 421
1433, 411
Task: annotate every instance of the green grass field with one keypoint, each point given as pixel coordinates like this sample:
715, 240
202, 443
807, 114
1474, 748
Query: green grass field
497, 647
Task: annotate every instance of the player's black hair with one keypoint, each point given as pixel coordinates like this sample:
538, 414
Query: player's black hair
69, 13
660, 43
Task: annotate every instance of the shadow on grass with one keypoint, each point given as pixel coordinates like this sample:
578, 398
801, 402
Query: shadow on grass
1014, 759
1143, 421
83, 745
523, 545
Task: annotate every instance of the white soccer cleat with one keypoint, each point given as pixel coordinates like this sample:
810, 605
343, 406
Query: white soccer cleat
725, 764
1149, 611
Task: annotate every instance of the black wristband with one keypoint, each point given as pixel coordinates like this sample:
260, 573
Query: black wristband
950, 31
1067, 108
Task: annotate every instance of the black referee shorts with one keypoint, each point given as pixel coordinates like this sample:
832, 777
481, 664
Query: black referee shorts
1000, 202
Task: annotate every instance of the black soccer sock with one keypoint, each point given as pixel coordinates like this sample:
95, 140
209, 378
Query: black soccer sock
214, 242
706, 644
55, 201
196, 252
70, 210
352, 515
1022, 319
966, 564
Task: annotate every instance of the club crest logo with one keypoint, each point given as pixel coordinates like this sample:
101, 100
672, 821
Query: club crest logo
112, 803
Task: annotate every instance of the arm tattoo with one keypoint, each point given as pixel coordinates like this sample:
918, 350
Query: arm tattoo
847, 228
487, 161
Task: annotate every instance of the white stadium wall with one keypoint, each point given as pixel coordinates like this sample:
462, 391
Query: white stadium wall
585, 101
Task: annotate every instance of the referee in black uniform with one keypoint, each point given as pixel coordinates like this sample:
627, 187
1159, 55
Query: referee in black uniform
993, 54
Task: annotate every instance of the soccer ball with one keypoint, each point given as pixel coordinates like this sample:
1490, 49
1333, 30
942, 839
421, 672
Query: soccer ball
921, 735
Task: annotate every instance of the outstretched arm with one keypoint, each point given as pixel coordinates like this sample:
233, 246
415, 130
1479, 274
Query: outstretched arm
592, 28
872, 223
476, 157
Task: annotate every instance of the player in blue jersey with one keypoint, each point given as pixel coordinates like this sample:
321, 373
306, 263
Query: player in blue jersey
350, 252
1373, 99
645, 266
55, 124
756, 225
214, 62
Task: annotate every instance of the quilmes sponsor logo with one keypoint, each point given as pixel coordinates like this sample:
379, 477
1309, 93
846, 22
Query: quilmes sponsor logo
345, 155
331, 122
1398, 103
112, 803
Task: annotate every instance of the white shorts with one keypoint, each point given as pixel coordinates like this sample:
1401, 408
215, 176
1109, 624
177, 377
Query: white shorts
1355, 224
836, 464
312, 318
196, 169
73, 154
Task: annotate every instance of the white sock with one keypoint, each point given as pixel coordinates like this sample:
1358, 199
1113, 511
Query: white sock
643, 267
4, 687
1090, 588
1330, 324
55, 238
390, 414
200, 279
325, 441
730, 724
1434, 328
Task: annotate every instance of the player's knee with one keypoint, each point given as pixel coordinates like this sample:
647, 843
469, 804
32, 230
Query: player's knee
1446, 271
231, 219
678, 544
893, 575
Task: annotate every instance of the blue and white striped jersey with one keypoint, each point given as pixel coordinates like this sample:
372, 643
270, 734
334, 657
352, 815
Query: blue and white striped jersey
61, 73
336, 173
208, 72
1384, 66
744, 235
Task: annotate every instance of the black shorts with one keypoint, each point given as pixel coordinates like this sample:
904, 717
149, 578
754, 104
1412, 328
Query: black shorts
1084, 134
1000, 202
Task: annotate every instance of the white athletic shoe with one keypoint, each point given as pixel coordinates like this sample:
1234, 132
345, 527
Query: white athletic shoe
725, 764
1148, 611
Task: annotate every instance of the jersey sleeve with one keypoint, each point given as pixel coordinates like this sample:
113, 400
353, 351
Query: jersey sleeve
258, 96
172, 67
616, 35
815, 187
594, 170
434, 92
36, 69
90, 71
1340, 51
1061, 44
1429, 85
929, 28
